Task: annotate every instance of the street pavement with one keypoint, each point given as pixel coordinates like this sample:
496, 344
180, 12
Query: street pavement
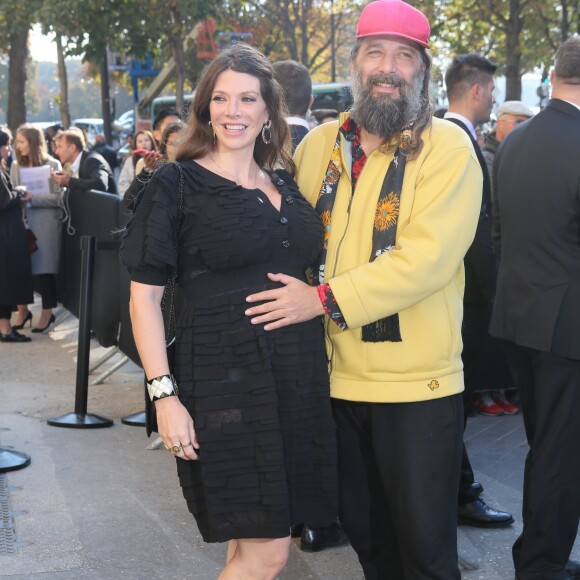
97, 504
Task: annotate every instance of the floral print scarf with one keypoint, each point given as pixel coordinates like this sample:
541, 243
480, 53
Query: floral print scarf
385, 222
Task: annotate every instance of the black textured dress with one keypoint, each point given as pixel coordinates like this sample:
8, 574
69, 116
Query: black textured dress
260, 400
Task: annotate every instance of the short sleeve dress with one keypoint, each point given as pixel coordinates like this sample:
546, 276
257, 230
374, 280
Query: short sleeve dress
260, 400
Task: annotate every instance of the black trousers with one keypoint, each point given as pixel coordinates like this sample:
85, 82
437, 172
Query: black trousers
398, 477
45, 285
473, 332
6, 311
549, 389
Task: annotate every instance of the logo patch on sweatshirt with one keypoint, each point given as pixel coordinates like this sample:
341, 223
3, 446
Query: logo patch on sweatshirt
433, 385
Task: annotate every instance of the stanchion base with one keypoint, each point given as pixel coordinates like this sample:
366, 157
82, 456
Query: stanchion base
136, 419
80, 421
12, 460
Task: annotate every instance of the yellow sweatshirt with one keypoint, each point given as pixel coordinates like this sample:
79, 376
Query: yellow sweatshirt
422, 279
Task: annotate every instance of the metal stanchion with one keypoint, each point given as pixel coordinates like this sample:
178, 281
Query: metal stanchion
11, 460
80, 419
135, 419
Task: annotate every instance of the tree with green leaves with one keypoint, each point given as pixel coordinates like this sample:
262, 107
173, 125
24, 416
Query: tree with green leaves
16, 19
519, 35
308, 31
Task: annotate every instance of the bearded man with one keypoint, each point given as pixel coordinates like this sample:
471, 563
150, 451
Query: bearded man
394, 190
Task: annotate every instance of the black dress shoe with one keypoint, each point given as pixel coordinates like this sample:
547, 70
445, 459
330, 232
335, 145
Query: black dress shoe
317, 539
478, 513
14, 336
573, 569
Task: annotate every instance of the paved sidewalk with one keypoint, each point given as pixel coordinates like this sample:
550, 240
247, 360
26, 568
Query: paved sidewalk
96, 504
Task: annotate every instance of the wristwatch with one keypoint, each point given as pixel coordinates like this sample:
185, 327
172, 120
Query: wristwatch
163, 386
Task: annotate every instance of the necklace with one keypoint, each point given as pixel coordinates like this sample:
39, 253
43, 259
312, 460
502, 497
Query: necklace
259, 174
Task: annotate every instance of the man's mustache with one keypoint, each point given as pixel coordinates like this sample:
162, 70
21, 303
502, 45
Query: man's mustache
390, 79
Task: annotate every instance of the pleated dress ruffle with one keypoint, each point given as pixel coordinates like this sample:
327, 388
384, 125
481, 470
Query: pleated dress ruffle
260, 400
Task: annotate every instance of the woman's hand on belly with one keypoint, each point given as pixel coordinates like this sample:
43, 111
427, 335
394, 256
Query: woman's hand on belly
295, 302
176, 427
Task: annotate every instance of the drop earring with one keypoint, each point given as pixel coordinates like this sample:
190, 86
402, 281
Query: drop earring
267, 127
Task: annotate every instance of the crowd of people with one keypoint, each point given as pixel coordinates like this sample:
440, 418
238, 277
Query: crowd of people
351, 291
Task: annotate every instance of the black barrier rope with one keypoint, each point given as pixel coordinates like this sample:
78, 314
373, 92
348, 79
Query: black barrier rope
80, 419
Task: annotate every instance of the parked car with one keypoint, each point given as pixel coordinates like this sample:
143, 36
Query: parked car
91, 128
125, 123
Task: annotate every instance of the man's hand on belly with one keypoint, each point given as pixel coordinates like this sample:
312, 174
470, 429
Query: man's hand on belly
293, 303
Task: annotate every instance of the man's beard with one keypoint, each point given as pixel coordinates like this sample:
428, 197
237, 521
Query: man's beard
381, 114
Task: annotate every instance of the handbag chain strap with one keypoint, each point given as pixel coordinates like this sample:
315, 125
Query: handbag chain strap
169, 292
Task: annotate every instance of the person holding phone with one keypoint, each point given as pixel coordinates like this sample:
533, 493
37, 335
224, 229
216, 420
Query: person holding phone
44, 218
144, 142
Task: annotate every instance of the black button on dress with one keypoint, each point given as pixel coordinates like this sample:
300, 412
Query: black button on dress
259, 399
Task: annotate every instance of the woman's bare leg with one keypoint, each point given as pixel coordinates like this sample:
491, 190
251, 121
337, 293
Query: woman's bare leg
257, 559
232, 547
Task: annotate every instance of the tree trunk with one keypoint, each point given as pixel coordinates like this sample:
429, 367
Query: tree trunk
179, 58
513, 74
63, 83
106, 98
18, 54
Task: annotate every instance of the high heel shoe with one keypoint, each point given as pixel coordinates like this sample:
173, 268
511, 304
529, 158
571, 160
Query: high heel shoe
27, 318
45, 329
14, 336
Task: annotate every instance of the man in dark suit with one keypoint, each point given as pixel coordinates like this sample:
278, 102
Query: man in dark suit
537, 233
297, 85
83, 170
470, 86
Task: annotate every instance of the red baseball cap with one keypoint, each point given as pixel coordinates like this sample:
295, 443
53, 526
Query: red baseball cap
393, 18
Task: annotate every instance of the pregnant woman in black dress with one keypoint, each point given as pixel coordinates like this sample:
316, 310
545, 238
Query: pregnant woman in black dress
251, 426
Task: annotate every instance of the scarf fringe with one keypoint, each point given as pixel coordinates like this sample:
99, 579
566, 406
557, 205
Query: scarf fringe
383, 330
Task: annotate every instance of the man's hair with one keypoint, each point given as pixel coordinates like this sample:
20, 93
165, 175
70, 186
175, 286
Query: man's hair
162, 115
73, 136
567, 63
297, 84
465, 71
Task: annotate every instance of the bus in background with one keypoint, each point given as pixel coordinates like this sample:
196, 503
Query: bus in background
331, 96
168, 102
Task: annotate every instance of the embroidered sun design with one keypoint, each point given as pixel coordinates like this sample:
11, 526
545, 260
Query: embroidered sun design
387, 212
333, 172
405, 138
325, 219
